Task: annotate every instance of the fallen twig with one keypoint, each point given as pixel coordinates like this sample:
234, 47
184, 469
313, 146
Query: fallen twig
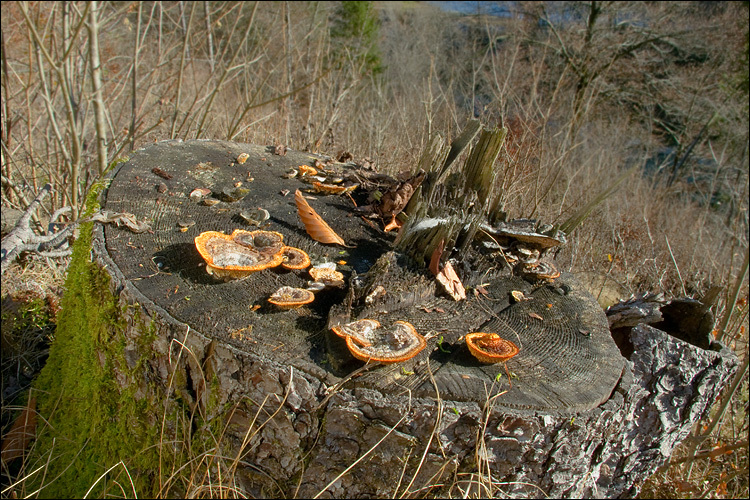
23, 239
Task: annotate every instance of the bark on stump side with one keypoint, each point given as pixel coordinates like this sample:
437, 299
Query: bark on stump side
568, 427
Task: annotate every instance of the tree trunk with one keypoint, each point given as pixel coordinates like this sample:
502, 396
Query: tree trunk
576, 419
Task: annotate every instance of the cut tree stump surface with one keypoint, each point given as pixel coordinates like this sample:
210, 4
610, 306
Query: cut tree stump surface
580, 420
567, 362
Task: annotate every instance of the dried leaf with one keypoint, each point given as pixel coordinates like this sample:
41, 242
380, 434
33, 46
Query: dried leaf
450, 281
20, 435
315, 226
518, 296
395, 200
535, 316
121, 218
161, 173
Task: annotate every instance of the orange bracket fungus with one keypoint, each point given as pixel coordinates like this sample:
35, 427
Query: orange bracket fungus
359, 330
393, 344
268, 242
542, 271
327, 275
307, 170
225, 256
490, 347
288, 297
294, 258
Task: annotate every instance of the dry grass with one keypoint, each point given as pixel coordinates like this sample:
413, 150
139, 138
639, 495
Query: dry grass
265, 75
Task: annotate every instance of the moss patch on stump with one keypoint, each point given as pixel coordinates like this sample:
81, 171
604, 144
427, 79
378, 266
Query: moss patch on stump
94, 422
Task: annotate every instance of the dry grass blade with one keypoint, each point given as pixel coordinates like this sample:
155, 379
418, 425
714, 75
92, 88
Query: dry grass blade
577, 218
315, 226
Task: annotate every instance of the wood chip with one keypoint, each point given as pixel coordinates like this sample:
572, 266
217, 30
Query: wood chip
450, 281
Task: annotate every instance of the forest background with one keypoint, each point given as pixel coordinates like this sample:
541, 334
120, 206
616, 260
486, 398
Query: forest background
586, 90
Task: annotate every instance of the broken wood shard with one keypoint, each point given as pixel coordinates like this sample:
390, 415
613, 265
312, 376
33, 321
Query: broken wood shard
451, 282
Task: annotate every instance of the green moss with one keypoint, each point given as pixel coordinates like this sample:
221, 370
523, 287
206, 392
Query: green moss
94, 423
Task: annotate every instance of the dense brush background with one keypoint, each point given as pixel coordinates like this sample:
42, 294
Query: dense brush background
585, 90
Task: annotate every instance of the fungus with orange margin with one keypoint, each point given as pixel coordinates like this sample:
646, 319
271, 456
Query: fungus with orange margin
294, 258
542, 271
359, 330
327, 275
267, 242
288, 297
307, 170
389, 345
320, 187
490, 347
225, 257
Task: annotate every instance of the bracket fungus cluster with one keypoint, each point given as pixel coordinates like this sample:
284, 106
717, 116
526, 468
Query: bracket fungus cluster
490, 347
321, 181
242, 253
368, 341
543, 270
523, 246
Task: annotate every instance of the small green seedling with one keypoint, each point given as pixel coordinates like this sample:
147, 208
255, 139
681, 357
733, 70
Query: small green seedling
440, 345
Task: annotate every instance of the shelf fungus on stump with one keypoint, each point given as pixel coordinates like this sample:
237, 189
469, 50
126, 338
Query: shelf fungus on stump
294, 258
541, 271
359, 330
393, 344
267, 242
490, 347
288, 297
233, 255
524, 231
327, 275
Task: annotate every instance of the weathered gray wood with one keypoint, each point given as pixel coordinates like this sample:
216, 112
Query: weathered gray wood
431, 421
22, 238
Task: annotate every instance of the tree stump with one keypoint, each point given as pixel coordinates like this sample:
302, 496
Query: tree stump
575, 419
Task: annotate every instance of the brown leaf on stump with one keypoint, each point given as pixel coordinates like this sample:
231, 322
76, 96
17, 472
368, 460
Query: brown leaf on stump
315, 226
435, 259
